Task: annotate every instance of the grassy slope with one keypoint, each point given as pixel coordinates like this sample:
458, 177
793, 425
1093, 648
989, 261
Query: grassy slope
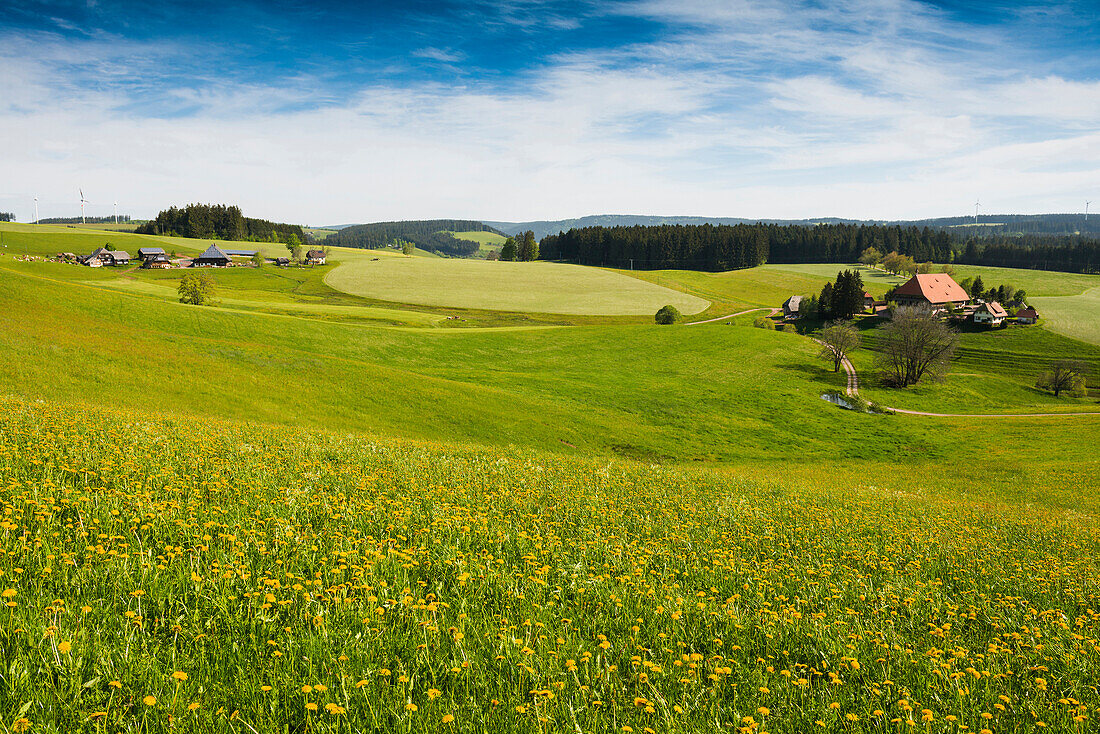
410, 585
488, 241
680, 393
537, 287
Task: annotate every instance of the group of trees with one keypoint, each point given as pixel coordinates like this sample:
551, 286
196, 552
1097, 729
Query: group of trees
217, 221
7, 217
79, 220
522, 247
1065, 375
434, 235
1004, 293
841, 299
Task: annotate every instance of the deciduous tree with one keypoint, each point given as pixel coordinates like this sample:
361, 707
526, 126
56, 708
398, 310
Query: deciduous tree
837, 340
915, 345
1065, 375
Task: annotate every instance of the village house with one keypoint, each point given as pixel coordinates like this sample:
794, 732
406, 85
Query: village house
868, 300
791, 306
103, 256
281, 262
1027, 315
144, 253
315, 257
935, 290
156, 262
214, 257
990, 313
240, 253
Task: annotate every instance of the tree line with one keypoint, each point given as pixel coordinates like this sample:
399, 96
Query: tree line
433, 235
218, 221
7, 217
86, 220
522, 247
729, 247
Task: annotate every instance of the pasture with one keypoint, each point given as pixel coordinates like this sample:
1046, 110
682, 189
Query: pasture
311, 510
507, 286
164, 573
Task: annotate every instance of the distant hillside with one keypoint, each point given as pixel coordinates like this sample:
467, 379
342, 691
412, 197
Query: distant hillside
433, 235
554, 226
988, 224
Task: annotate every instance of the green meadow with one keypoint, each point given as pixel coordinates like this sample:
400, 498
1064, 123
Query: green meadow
402, 494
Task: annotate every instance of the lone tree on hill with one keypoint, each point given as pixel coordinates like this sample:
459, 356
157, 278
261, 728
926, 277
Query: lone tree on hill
1065, 375
915, 345
508, 251
667, 315
837, 340
196, 288
258, 259
406, 248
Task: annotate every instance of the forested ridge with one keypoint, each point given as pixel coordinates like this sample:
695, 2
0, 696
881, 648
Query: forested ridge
433, 235
217, 221
728, 247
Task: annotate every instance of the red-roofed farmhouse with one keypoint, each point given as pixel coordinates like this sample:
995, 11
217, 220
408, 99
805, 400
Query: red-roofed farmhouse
930, 289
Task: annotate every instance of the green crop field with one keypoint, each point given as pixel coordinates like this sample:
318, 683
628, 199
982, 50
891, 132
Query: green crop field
309, 510
507, 286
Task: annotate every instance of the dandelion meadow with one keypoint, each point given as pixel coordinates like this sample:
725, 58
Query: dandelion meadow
177, 574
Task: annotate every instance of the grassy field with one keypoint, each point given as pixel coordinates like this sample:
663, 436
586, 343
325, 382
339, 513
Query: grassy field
169, 574
1076, 316
306, 510
537, 287
488, 241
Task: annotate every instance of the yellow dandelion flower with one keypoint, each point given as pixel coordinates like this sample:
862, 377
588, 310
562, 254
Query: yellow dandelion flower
149, 700
64, 647
179, 675
448, 718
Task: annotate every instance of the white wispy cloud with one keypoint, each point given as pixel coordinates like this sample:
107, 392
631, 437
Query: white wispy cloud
882, 108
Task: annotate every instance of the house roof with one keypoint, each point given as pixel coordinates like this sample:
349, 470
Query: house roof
213, 253
120, 255
150, 251
315, 253
935, 288
1027, 313
994, 308
792, 303
245, 253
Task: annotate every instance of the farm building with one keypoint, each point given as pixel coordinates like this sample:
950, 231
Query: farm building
315, 257
144, 253
1027, 316
214, 257
239, 253
990, 313
791, 306
936, 290
103, 256
156, 262
868, 300
281, 262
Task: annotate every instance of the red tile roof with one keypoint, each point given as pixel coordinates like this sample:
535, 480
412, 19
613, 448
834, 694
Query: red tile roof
936, 288
1027, 313
994, 308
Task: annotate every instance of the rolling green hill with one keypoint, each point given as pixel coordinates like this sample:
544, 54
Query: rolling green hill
300, 509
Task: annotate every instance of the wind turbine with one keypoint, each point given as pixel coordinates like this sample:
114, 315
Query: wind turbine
116, 212
977, 204
1087, 210
82, 206
36, 208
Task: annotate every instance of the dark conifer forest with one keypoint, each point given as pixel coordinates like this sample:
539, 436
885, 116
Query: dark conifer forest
217, 221
727, 247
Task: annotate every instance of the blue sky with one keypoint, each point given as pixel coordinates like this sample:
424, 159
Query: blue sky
521, 109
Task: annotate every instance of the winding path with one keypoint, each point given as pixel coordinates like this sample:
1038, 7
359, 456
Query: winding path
771, 311
853, 389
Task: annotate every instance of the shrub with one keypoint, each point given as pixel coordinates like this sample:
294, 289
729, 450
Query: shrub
764, 323
667, 315
196, 288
